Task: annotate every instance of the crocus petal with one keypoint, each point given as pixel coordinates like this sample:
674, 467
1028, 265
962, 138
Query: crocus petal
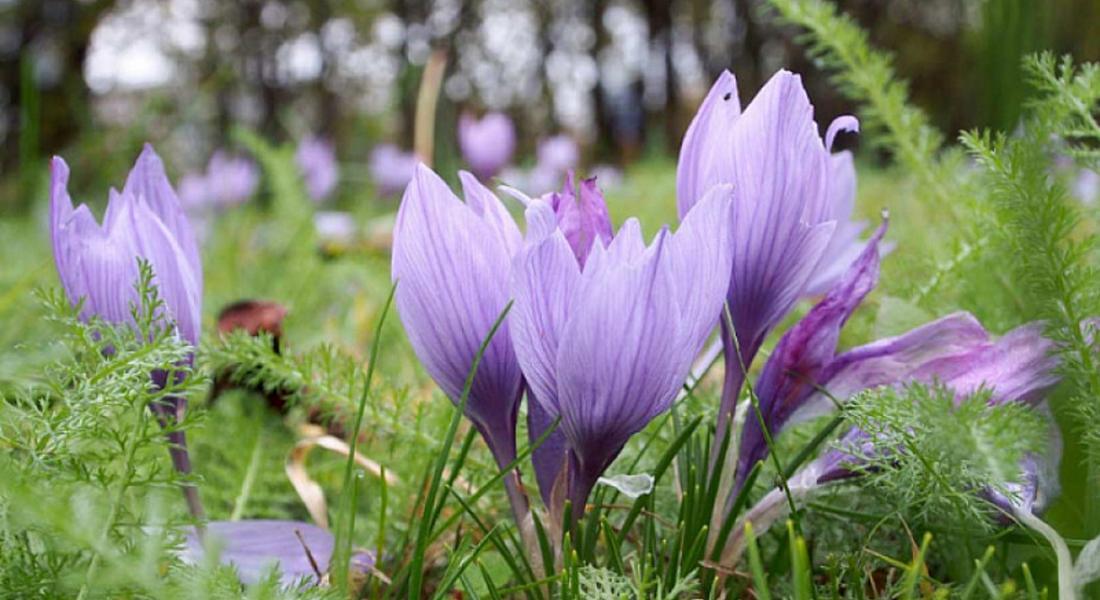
1018, 367
846, 123
705, 154
701, 255
255, 547
148, 182
545, 278
451, 266
619, 362
628, 244
175, 281
894, 359
803, 355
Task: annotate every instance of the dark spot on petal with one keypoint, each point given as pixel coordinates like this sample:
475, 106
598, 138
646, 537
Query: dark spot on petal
728, 96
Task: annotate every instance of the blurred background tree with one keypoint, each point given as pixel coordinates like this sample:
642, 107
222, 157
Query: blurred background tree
622, 76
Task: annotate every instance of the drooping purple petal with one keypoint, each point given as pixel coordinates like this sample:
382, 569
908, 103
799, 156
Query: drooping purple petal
486, 144
256, 547
316, 158
451, 262
1018, 367
803, 356
846, 123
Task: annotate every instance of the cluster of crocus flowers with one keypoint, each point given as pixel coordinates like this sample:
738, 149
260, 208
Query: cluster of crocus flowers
316, 159
227, 181
603, 330
603, 327
487, 144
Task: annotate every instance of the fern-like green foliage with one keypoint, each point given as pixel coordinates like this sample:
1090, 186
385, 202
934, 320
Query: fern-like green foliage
866, 75
1042, 228
935, 454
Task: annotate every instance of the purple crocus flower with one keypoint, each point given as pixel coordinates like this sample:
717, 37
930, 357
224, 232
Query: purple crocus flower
392, 168
451, 262
98, 264
317, 160
782, 220
487, 144
582, 217
606, 346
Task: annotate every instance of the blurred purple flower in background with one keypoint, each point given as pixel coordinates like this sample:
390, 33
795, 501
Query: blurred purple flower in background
486, 144
607, 345
316, 158
228, 181
784, 217
554, 157
392, 168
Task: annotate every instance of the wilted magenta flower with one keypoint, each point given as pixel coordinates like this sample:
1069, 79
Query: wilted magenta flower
558, 154
99, 264
1018, 367
487, 144
451, 262
783, 218
582, 217
317, 160
607, 345
391, 168
228, 181
805, 368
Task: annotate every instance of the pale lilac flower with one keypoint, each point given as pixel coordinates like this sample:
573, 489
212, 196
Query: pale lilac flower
607, 345
783, 217
486, 144
335, 227
1086, 186
316, 158
451, 263
391, 168
99, 264
232, 179
558, 154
